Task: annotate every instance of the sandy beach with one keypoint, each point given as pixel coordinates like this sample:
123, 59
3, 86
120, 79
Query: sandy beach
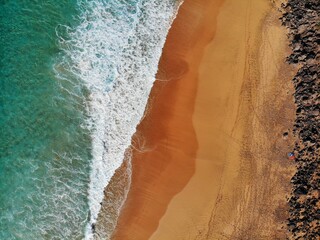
209, 158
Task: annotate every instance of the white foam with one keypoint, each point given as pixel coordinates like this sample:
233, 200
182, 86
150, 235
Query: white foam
116, 56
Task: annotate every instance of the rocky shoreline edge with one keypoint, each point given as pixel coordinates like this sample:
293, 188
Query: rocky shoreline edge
302, 18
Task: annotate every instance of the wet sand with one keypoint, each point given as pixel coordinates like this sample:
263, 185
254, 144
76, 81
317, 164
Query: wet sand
209, 158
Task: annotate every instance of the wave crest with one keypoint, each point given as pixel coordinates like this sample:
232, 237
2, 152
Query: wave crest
114, 52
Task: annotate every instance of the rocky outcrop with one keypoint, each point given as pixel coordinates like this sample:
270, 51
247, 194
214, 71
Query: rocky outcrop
302, 18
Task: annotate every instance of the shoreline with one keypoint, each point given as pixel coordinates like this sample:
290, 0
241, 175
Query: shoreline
167, 160
202, 168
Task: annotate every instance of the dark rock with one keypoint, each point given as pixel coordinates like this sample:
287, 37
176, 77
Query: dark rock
302, 18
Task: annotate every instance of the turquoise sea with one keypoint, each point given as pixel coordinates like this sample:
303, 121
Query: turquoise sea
75, 76
44, 152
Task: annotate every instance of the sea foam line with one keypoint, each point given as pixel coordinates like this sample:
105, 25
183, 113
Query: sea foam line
114, 52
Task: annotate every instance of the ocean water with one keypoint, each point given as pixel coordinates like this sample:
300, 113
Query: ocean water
74, 81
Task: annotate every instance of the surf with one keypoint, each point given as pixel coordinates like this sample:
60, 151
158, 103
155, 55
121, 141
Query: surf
114, 52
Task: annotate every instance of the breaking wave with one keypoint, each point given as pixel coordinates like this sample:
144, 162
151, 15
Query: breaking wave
114, 52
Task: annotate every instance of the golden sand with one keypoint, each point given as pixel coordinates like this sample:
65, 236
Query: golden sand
209, 159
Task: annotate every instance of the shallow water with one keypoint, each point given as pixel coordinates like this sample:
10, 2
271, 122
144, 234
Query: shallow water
75, 78
45, 153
